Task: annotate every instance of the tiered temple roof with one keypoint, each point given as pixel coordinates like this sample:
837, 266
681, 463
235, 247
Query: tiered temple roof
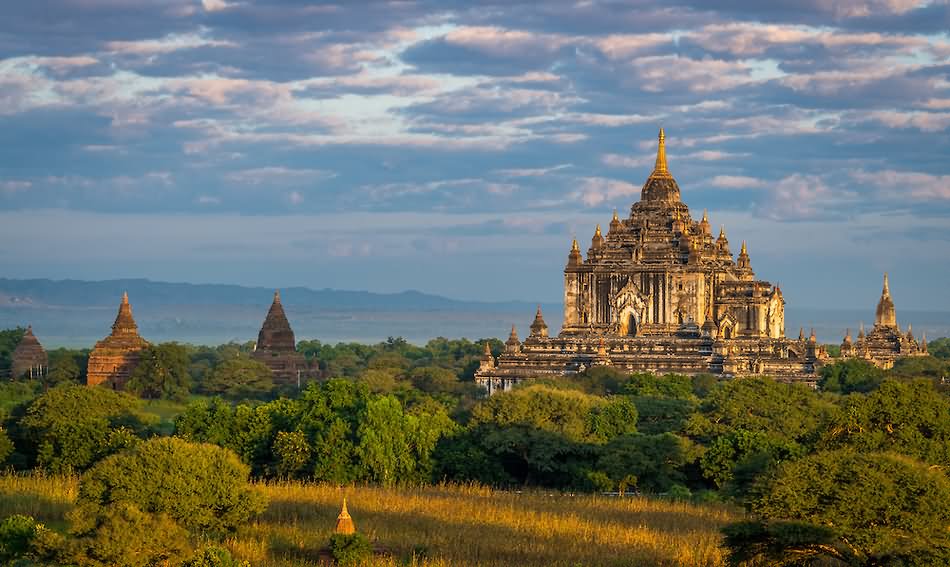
29, 357
114, 358
885, 343
277, 347
637, 301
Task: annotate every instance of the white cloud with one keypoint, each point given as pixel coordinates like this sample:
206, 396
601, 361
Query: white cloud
736, 182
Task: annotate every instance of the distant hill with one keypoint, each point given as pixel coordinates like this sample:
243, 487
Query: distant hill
78, 313
77, 293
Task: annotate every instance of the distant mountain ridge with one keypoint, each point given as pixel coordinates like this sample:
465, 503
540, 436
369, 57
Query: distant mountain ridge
80, 293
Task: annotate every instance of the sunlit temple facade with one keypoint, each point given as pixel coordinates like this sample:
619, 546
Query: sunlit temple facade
660, 293
276, 347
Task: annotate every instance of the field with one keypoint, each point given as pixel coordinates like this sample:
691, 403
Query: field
444, 525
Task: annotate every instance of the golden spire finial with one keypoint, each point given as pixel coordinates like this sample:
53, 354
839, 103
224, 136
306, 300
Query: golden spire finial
887, 290
574, 245
722, 231
616, 218
597, 231
125, 298
705, 216
277, 300
743, 251
661, 154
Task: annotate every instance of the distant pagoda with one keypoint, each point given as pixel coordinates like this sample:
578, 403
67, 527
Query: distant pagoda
29, 357
659, 293
885, 343
277, 347
344, 522
114, 358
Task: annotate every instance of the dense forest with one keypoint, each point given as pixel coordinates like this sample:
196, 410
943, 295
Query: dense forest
853, 473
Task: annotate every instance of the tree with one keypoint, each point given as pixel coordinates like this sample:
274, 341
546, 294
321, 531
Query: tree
6, 446
291, 453
240, 378
911, 418
201, 487
9, 339
857, 508
63, 370
575, 415
162, 373
851, 375
939, 348
655, 461
71, 427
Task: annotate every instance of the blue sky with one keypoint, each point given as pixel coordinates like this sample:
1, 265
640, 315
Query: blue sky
456, 148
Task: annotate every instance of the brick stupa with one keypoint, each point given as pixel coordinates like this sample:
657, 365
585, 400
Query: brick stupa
114, 358
29, 357
277, 348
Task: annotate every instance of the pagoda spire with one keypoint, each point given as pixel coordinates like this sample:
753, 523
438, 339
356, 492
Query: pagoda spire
661, 154
344, 522
538, 327
885, 315
124, 322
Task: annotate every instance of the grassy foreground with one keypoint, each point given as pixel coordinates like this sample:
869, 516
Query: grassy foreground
444, 525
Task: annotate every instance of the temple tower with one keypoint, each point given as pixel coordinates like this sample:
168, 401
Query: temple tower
276, 346
29, 358
885, 315
114, 358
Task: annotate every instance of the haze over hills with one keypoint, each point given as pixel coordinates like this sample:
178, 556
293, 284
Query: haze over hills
77, 313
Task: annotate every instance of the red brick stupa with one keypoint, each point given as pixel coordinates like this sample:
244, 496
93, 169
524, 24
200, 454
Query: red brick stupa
29, 357
114, 358
277, 348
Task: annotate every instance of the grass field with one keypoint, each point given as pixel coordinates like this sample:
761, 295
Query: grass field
445, 525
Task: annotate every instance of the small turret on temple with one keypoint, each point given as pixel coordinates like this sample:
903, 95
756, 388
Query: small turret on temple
115, 357
538, 327
885, 343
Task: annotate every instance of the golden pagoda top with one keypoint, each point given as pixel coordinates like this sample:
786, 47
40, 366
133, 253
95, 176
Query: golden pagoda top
660, 186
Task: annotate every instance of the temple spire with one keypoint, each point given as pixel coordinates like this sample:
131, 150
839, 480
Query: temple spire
885, 315
276, 296
661, 154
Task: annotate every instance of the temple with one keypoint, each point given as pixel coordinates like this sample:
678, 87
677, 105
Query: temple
277, 348
114, 358
29, 358
885, 343
659, 293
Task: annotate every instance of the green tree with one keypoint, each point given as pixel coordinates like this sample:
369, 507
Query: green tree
71, 427
240, 378
162, 373
6, 446
851, 375
655, 461
9, 339
911, 418
857, 508
291, 453
201, 487
122, 534
742, 447
939, 348
575, 415
62, 370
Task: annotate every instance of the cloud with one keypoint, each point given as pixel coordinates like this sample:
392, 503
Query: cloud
736, 182
594, 191
899, 185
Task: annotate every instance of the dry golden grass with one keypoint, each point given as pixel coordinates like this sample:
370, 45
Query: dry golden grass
445, 525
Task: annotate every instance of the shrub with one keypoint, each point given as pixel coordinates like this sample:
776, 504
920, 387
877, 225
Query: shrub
349, 549
125, 535
202, 487
22, 538
214, 557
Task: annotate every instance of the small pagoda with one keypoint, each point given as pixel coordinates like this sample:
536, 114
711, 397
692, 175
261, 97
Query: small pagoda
344, 522
114, 358
29, 358
886, 342
276, 347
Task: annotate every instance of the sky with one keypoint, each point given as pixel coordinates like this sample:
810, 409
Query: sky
457, 147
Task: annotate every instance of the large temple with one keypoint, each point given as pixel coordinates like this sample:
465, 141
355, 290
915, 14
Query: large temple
276, 347
114, 358
885, 343
29, 357
659, 293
